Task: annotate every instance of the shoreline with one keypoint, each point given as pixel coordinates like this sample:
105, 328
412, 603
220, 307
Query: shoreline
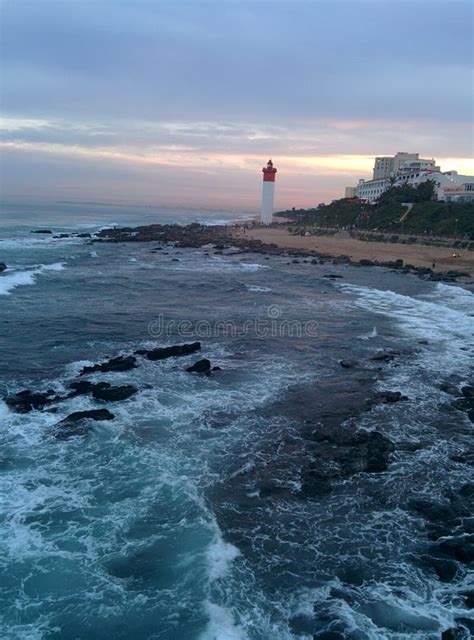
420, 256
413, 259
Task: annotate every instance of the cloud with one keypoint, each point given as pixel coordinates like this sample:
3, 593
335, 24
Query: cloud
217, 88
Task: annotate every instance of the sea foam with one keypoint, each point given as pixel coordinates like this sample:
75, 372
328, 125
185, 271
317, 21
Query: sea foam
28, 276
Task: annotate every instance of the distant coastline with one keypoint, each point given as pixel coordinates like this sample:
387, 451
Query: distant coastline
429, 262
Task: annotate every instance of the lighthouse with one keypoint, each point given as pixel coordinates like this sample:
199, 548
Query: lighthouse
266, 212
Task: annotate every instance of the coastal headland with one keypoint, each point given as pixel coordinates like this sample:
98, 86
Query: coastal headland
449, 265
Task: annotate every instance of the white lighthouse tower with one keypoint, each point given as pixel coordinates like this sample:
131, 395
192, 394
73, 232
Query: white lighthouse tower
268, 191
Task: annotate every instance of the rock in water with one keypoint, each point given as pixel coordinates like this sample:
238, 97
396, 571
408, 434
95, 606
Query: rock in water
383, 357
76, 424
82, 387
120, 363
3, 266
112, 394
26, 401
385, 397
170, 352
44, 231
348, 364
94, 414
201, 366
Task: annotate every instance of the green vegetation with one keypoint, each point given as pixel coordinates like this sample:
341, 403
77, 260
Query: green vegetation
388, 214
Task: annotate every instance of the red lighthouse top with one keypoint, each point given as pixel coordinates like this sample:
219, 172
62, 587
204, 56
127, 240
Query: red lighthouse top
269, 172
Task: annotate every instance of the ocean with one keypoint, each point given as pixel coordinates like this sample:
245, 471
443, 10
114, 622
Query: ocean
226, 507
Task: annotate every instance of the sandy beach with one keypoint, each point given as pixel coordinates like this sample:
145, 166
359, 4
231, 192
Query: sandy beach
418, 255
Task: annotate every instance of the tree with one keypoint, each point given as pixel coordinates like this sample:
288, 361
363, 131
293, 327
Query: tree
425, 190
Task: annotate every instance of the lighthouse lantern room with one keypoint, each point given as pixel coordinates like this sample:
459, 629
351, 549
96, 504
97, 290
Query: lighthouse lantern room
266, 212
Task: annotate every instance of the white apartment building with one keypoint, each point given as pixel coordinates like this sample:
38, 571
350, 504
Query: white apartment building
371, 190
449, 185
386, 166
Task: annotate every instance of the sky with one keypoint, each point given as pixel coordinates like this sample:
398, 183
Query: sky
167, 102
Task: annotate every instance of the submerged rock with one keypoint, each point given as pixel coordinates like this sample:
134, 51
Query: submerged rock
170, 352
342, 452
44, 231
387, 397
201, 366
120, 363
3, 266
112, 394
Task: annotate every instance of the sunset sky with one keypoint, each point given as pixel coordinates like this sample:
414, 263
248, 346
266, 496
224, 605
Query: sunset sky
172, 103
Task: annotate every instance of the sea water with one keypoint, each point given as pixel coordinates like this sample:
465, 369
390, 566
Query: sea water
160, 523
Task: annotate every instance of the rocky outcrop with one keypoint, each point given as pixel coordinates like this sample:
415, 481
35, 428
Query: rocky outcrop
25, 401
386, 397
79, 423
170, 352
43, 231
348, 364
94, 414
342, 452
113, 394
201, 366
120, 363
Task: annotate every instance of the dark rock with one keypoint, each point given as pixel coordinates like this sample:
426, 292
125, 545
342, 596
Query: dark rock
201, 366
460, 548
445, 569
449, 388
94, 414
423, 342
342, 452
26, 401
120, 363
216, 368
113, 394
295, 261
84, 235
44, 231
332, 276
314, 261
366, 263
174, 259
469, 599
3, 266
81, 388
170, 352
468, 392
77, 423
383, 357
348, 364
387, 397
